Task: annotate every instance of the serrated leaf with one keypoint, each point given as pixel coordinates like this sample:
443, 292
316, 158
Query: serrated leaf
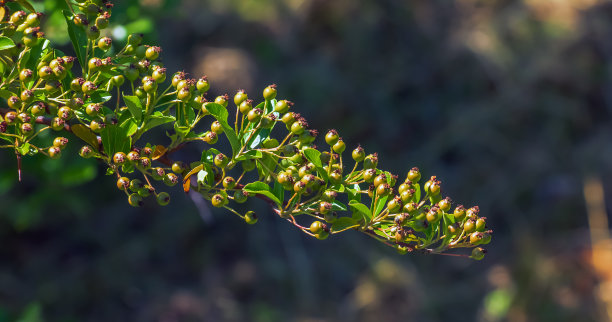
313, 156
77, 37
261, 188
85, 134
115, 139
6, 43
343, 223
353, 193
361, 208
129, 126
156, 119
134, 106
220, 113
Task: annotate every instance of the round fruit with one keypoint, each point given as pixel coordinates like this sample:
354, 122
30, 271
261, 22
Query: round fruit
163, 198
135, 200
250, 218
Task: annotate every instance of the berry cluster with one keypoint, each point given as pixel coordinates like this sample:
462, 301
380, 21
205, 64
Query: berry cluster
119, 94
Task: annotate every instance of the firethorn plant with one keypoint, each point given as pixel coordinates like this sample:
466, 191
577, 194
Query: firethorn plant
110, 97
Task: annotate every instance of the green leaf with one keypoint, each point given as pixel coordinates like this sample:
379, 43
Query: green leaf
26, 5
134, 106
78, 38
338, 206
261, 188
354, 194
99, 96
115, 139
24, 149
220, 113
156, 119
361, 208
6, 43
343, 223
206, 176
417, 192
209, 155
5, 94
266, 164
129, 126
313, 156
381, 204
252, 154
279, 191
85, 134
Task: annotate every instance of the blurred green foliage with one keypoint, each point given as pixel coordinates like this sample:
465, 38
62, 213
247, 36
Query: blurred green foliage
508, 102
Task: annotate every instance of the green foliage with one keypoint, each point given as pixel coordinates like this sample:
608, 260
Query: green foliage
124, 93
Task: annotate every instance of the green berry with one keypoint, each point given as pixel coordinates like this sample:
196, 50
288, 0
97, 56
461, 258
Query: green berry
414, 175
370, 161
282, 106
358, 154
171, 179
216, 127
459, 213
119, 158
152, 53
245, 106
332, 137
86, 152
54, 152
250, 217
60, 142
240, 196
254, 115
123, 183
135, 200
218, 200
478, 253
316, 227
229, 183
240, 97
202, 85
221, 160
269, 93
163, 198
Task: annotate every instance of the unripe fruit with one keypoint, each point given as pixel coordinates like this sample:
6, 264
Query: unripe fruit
370, 161
119, 158
135, 200
27, 128
86, 152
282, 106
383, 190
414, 175
240, 196
152, 52
329, 195
54, 152
298, 127
407, 195
93, 109
248, 165
218, 200
171, 179
368, 175
358, 154
210, 137
135, 39
332, 137
478, 253
245, 106
216, 127
123, 183
101, 22
92, 32
288, 118
96, 126
445, 204
480, 224
380, 179
60, 142
202, 85
221, 160
433, 215
469, 226
88, 87
335, 177
163, 198
14, 102
299, 187
135, 185
254, 115
459, 213
221, 100
25, 75
476, 238
57, 124
240, 97
229, 183
269, 93
270, 143
473, 213
394, 205
316, 227
250, 217
178, 167
325, 207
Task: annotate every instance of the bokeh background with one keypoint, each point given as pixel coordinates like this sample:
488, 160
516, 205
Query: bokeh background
509, 103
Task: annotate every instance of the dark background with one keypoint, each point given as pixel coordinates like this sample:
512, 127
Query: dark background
507, 102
